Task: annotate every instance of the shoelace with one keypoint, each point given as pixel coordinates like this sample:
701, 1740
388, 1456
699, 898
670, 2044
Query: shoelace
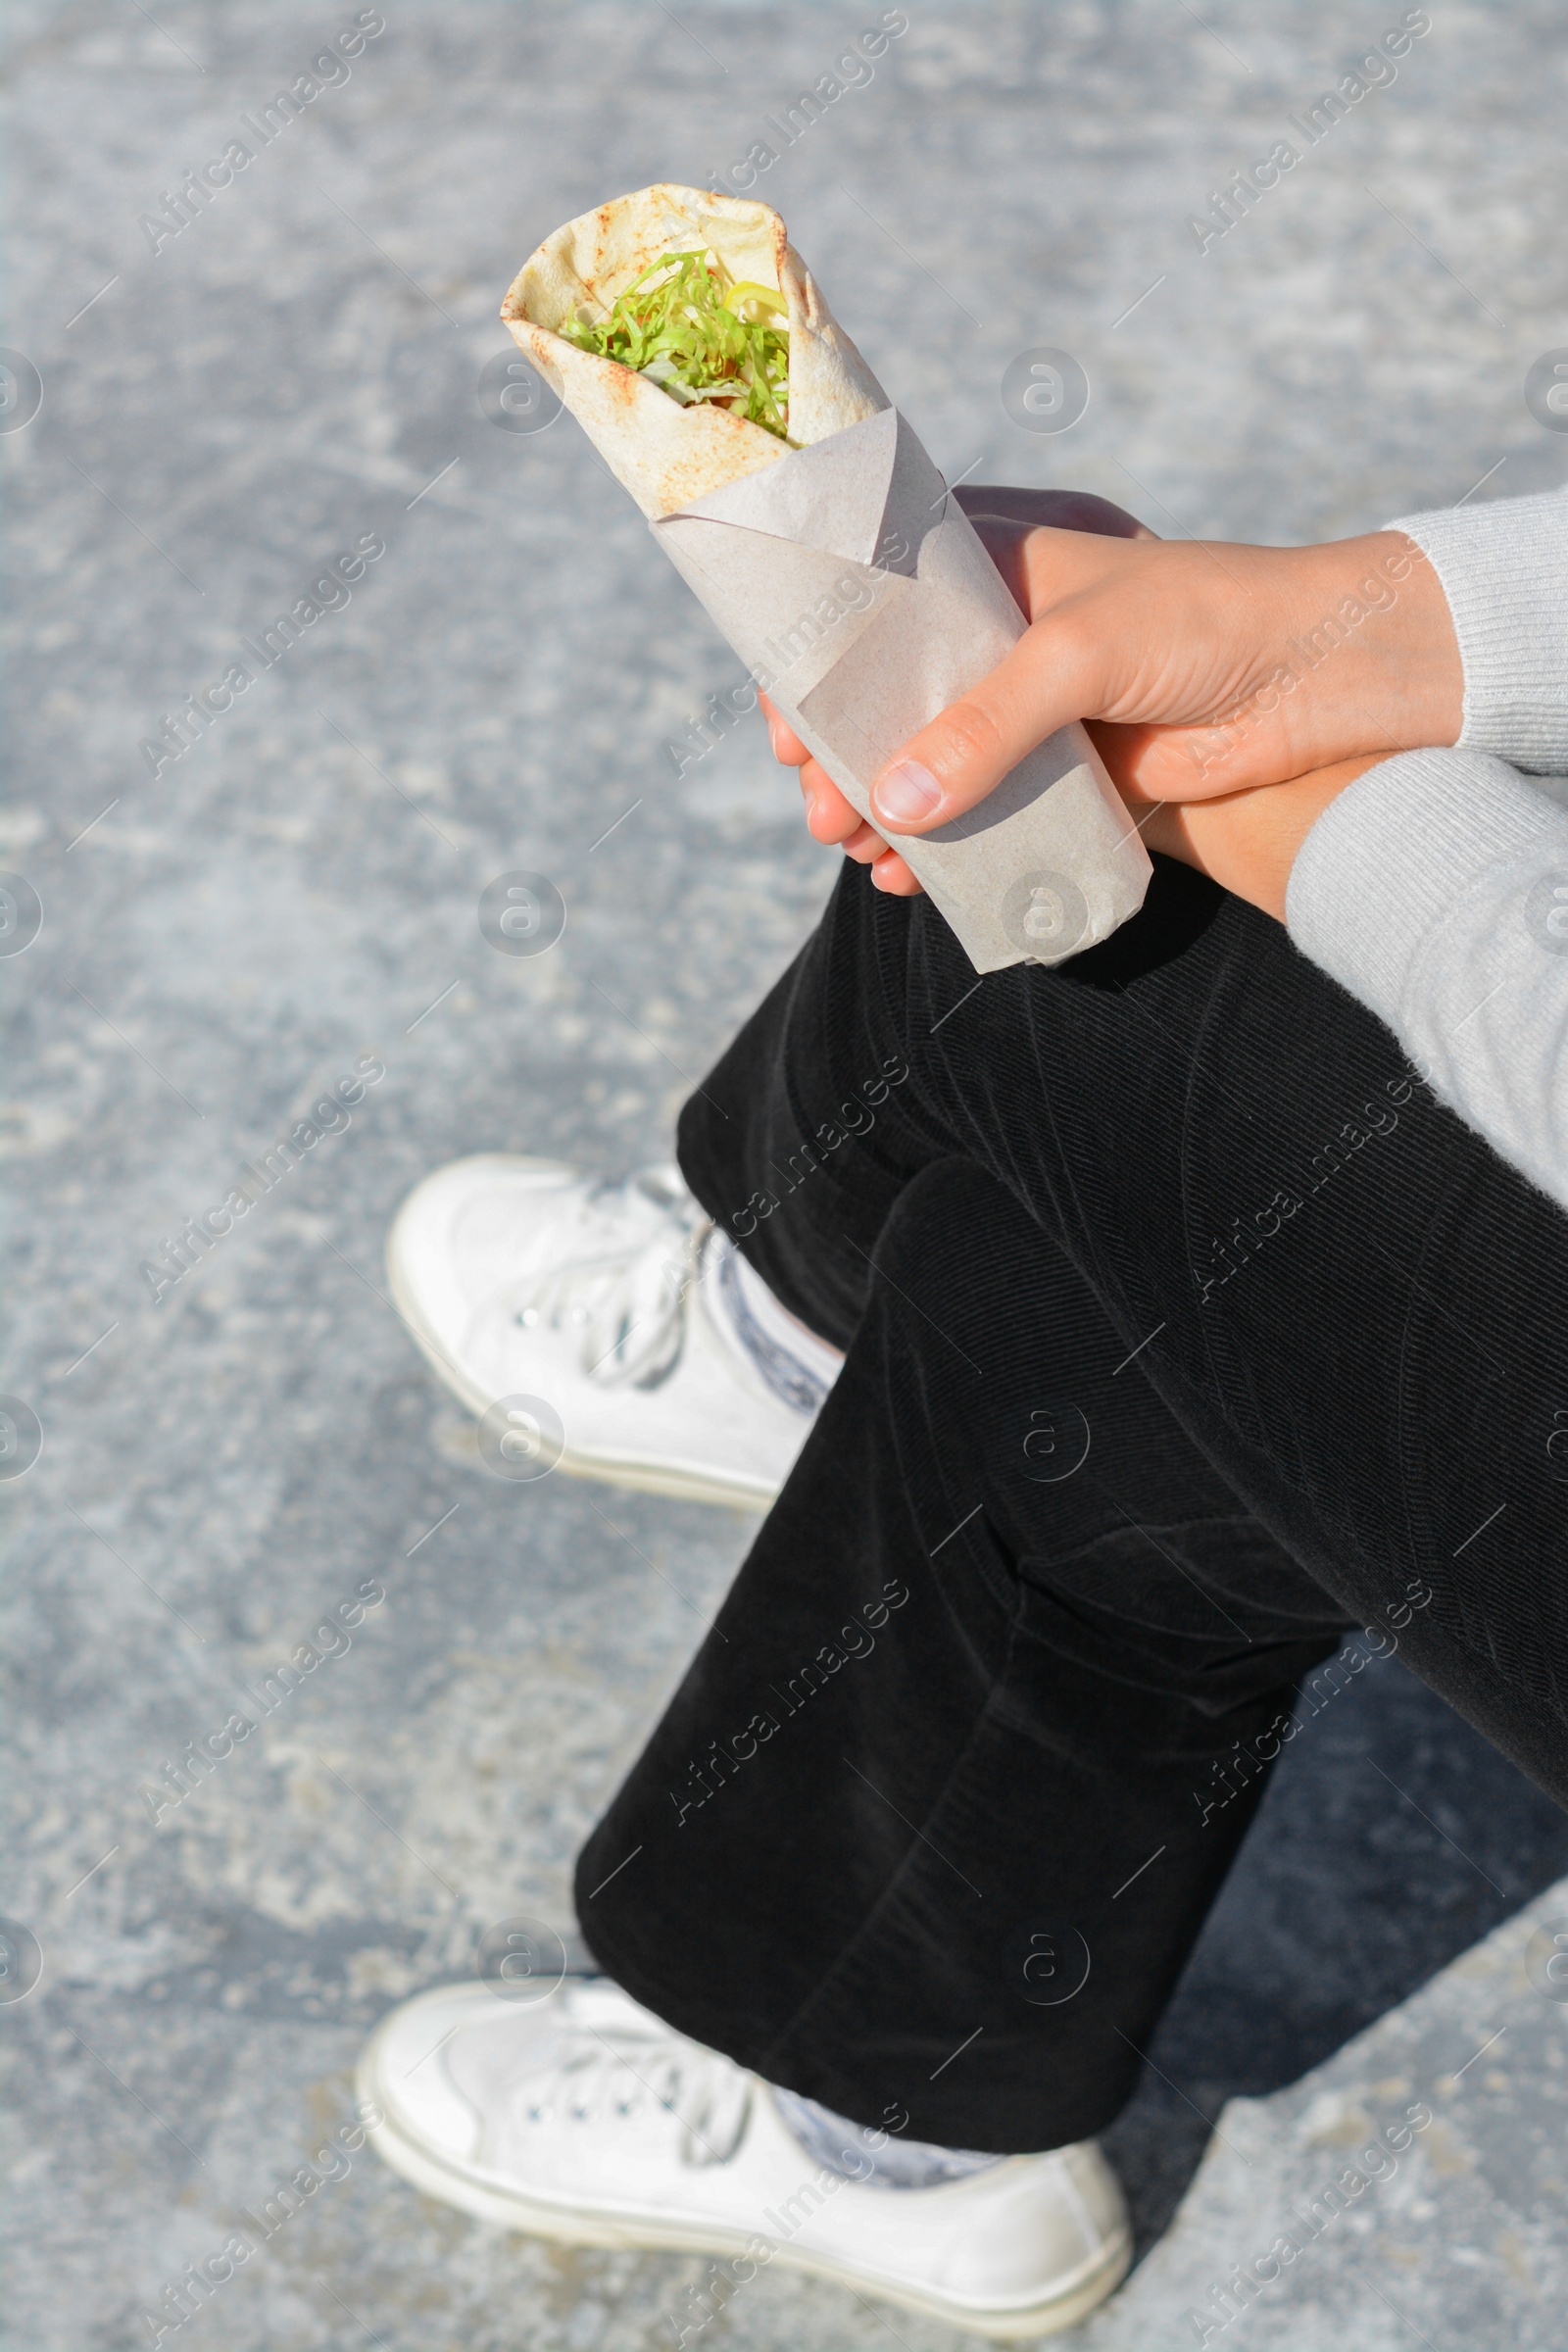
595, 2081
630, 1303
629, 1307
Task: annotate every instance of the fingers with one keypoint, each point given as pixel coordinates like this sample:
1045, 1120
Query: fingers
788, 749
1074, 661
964, 760
1056, 510
1053, 674
830, 819
1185, 765
1152, 763
1003, 518
1007, 542
889, 873
968, 751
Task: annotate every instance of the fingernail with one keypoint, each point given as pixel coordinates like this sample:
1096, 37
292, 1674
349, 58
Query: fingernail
907, 793
810, 808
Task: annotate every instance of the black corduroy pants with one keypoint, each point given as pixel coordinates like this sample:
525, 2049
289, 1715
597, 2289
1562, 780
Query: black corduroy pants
1185, 1330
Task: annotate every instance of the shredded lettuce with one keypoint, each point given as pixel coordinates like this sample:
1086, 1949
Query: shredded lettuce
700, 336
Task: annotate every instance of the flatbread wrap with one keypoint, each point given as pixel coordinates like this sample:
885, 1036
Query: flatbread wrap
696, 350
666, 450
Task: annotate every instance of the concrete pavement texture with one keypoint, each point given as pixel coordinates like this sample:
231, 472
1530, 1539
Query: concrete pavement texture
292, 376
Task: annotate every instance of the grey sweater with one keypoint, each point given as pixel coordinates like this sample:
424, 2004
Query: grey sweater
1435, 888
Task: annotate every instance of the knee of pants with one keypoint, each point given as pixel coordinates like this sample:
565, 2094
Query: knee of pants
978, 1290
959, 1299
954, 1236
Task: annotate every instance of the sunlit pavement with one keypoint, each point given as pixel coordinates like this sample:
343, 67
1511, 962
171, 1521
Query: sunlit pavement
231, 933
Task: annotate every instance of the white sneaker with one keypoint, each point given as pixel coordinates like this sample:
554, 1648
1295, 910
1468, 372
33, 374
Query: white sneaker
584, 2118
666, 1363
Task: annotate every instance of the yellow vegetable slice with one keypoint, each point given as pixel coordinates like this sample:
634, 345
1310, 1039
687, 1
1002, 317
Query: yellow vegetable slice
746, 290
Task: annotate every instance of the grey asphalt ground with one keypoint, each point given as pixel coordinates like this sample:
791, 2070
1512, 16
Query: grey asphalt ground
295, 373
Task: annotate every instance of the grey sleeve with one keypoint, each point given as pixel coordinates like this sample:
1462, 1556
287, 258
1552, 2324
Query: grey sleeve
1503, 569
1435, 888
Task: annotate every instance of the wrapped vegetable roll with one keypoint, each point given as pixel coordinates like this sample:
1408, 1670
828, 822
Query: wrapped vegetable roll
694, 347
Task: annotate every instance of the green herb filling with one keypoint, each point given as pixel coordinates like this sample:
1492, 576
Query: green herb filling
700, 335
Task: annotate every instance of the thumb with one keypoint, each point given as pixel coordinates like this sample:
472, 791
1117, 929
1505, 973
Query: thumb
1051, 675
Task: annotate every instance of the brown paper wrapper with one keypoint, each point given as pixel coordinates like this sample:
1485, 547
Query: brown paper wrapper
854, 587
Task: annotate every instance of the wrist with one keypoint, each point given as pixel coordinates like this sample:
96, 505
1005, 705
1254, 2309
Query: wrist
1340, 650
1370, 649
1248, 841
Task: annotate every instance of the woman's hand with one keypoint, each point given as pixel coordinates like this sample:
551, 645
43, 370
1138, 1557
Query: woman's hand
1003, 517
1317, 661
1247, 840
1231, 665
